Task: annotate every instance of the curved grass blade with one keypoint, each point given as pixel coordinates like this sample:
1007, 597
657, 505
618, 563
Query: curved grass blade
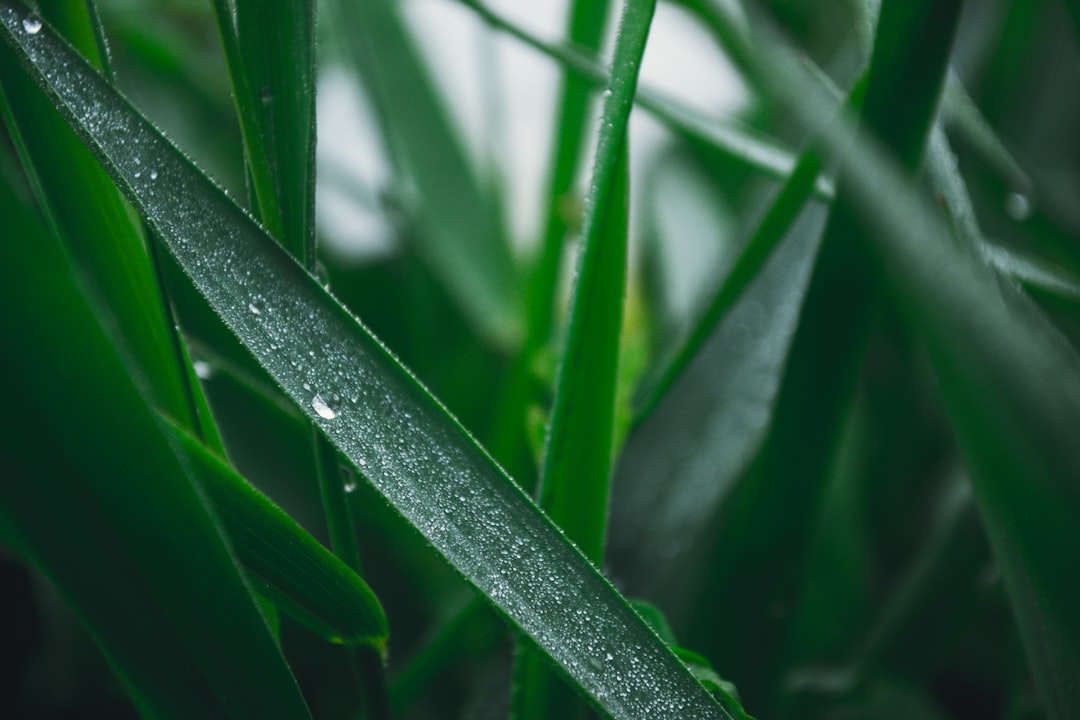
401, 439
282, 561
106, 509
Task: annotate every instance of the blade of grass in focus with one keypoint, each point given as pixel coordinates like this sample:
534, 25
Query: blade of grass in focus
585, 27
373, 410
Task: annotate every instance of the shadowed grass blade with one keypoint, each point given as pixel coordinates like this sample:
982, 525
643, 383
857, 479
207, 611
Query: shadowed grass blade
787, 479
84, 209
105, 508
1011, 384
283, 562
371, 408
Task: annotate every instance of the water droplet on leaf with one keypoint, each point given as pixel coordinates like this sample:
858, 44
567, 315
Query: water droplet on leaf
324, 410
32, 24
350, 479
203, 369
1018, 206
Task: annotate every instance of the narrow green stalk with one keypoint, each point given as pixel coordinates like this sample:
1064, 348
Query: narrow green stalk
578, 456
585, 29
740, 142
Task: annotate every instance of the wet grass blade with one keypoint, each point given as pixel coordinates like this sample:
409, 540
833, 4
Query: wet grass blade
282, 561
399, 437
95, 485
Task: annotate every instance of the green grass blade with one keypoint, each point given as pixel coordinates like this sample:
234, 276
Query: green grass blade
787, 479
961, 113
772, 228
459, 237
283, 562
1012, 388
105, 508
272, 65
683, 458
371, 408
585, 28
734, 139
86, 211
575, 475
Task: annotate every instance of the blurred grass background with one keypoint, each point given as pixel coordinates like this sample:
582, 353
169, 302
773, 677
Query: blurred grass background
903, 612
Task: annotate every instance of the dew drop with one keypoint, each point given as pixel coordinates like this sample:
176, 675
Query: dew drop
325, 411
153, 174
265, 95
307, 386
350, 484
1018, 206
203, 369
254, 309
363, 462
32, 24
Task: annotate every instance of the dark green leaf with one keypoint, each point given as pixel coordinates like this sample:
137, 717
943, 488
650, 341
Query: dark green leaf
283, 562
111, 517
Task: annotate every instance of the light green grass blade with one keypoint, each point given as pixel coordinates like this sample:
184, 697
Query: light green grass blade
537, 692
586, 21
105, 508
372, 409
575, 474
282, 561
576, 469
270, 51
460, 236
